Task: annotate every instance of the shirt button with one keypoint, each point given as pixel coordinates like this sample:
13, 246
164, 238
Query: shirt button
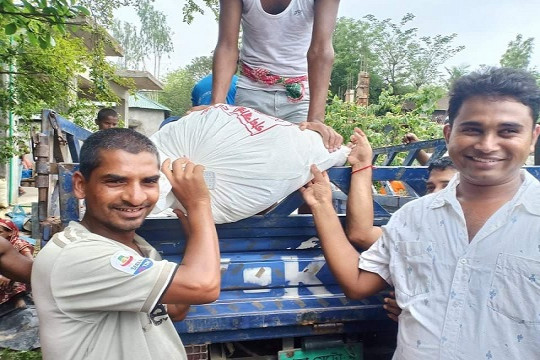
463, 261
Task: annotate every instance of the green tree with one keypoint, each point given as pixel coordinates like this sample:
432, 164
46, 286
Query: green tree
454, 73
132, 43
178, 84
518, 53
154, 32
176, 94
37, 21
386, 122
192, 7
392, 43
42, 60
102, 10
200, 67
404, 59
352, 46
427, 56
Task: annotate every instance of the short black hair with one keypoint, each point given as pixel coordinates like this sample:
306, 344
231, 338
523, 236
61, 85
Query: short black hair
441, 164
104, 113
496, 82
112, 139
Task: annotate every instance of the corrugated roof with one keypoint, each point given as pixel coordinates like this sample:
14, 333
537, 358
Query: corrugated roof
142, 102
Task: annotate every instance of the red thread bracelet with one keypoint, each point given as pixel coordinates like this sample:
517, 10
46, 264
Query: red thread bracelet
364, 168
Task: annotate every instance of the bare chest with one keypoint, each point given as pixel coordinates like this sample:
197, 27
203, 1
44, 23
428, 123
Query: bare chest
476, 215
275, 7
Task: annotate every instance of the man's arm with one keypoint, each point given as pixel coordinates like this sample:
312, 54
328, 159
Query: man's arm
226, 51
12, 264
341, 256
320, 58
422, 156
198, 277
360, 229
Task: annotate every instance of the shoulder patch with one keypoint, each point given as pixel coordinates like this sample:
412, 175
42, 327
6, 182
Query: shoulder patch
130, 264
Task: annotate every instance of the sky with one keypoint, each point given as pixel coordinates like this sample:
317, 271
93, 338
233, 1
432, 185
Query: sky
484, 27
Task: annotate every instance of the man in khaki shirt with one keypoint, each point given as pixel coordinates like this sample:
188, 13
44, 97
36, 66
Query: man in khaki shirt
99, 288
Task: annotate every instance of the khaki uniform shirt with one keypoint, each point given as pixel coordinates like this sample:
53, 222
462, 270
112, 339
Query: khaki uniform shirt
98, 299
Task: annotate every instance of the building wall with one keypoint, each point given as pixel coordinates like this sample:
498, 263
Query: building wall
145, 121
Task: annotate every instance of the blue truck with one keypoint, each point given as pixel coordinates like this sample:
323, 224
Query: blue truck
278, 298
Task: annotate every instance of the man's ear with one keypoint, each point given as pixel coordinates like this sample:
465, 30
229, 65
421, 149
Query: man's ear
447, 129
536, 132
79, 185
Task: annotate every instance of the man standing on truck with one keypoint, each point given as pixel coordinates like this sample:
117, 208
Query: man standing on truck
99, 288
285, 60
464, 261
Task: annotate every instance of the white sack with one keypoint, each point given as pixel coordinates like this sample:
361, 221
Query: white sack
255, 160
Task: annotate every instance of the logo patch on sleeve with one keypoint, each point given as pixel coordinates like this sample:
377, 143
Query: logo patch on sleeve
129, 263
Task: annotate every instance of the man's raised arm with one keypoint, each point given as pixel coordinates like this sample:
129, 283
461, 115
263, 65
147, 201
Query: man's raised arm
341, 256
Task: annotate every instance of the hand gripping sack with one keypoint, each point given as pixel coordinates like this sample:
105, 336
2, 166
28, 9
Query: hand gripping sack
253, 160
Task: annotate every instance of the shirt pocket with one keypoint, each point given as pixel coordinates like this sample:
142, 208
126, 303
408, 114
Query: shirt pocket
412, 267
515, 288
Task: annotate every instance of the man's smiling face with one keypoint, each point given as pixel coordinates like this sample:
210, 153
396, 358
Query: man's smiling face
120, 192
490, 139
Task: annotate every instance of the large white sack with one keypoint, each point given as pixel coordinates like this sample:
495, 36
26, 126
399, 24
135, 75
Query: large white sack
253, 160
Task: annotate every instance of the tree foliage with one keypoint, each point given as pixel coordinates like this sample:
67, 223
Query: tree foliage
102, 10
153, 37
454, 73
133, 45
392, 53
178, 84
37, 21
352, 46
193, 7
386, 122
176, 94
200, 67
155, 32
518, 53
43, 73
426, 57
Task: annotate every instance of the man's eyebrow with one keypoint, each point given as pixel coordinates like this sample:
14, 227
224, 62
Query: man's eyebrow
152, 178
511, 124
113, 177
470, 123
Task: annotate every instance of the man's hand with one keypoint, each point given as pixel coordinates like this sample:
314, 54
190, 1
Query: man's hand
391, 306
4, 282
317, 191
331, 139
410, 138
187, 182
361, 153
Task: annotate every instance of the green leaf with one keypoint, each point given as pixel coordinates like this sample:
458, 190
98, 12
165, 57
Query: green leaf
44, 42
82, 10
32, 38
50, 10
11, 28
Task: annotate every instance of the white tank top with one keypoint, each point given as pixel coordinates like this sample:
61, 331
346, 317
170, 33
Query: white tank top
278, 42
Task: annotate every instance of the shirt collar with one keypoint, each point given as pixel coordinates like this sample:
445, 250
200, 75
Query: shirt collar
528, 194
446, 195
76, 231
